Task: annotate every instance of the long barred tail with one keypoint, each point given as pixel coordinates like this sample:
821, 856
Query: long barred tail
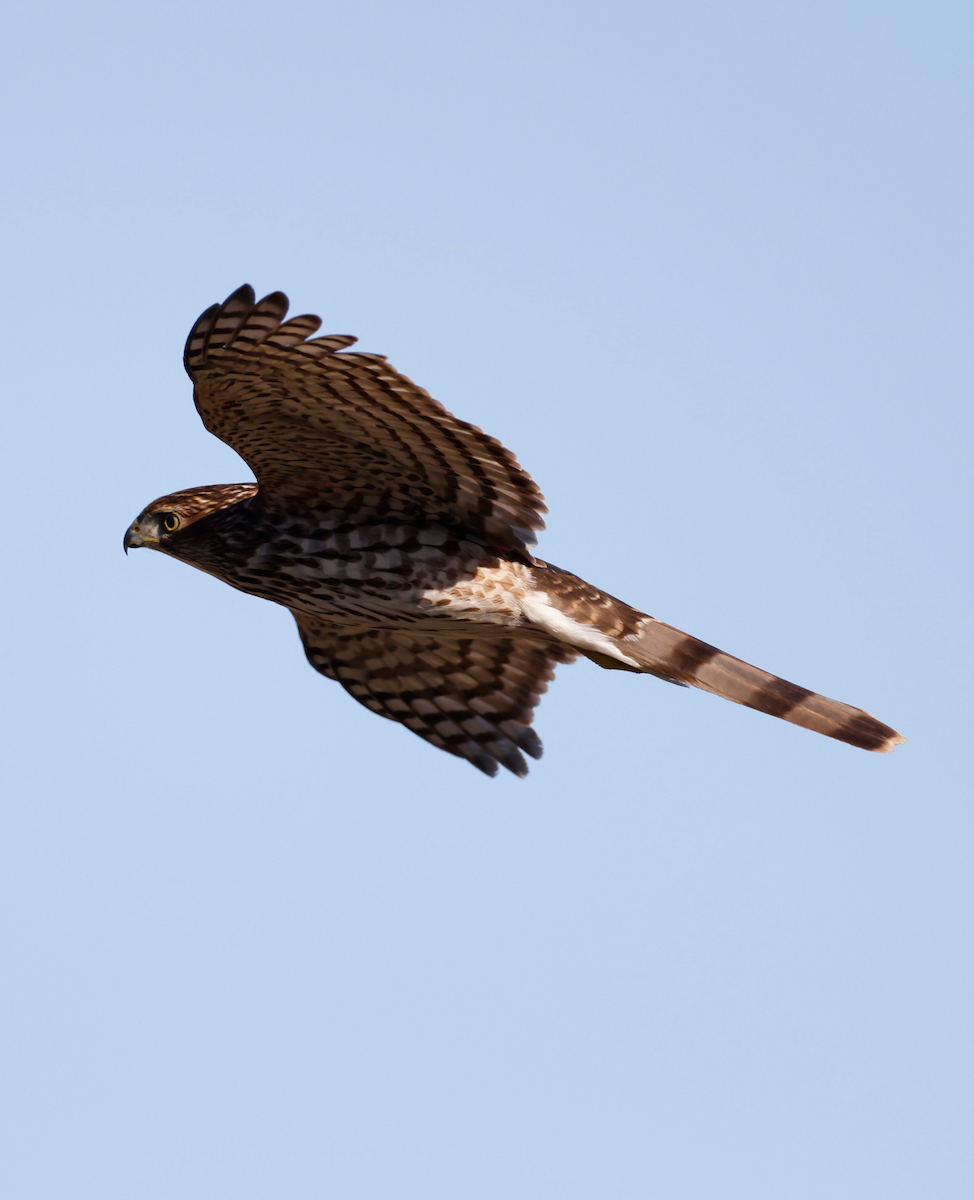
666, 651
602, 627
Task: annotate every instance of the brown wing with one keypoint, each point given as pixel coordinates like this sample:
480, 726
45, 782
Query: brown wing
323, 428
471, 696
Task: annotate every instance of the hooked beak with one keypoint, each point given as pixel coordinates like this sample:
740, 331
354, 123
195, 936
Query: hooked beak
132, 539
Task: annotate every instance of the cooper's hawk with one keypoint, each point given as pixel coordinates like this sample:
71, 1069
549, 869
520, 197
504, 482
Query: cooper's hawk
400, 538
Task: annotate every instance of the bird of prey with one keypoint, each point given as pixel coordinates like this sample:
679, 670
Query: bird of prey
400, 538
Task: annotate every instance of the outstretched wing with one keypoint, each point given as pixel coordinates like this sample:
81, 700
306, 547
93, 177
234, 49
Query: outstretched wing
471, 696
321, 428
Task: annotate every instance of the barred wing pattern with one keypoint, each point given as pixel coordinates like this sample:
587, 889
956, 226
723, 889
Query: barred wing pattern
473, 696
322, 428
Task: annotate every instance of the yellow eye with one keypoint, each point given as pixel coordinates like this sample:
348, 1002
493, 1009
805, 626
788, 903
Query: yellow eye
170, 521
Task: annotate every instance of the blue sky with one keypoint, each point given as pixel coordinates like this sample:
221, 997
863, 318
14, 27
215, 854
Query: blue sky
706, 268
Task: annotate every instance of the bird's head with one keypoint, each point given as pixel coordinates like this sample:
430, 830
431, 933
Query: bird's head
164, 523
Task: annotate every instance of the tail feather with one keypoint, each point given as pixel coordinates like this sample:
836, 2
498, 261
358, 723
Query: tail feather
663, 650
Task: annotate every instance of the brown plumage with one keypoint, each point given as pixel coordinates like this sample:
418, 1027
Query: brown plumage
400, 539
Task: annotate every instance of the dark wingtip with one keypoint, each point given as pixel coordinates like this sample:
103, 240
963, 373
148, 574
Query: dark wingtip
513, 760
483, 762
530, 743
244, 292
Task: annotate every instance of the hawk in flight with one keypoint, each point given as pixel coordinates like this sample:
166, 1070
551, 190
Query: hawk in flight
400, 539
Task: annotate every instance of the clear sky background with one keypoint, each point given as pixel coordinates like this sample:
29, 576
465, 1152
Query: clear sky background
706, 268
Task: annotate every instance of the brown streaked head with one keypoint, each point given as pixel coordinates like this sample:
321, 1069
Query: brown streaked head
168, 516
